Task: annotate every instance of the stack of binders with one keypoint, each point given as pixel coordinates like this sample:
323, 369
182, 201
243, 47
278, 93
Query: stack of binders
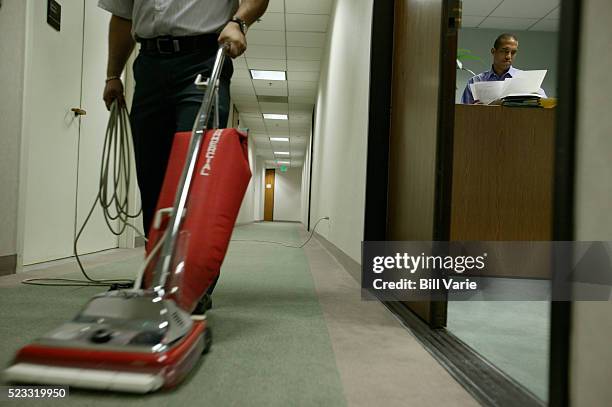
522, 101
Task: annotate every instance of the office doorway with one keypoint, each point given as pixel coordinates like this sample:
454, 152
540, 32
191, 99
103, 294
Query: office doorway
269, 195
416, 169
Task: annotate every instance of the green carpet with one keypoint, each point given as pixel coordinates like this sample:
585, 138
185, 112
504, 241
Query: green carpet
271, 345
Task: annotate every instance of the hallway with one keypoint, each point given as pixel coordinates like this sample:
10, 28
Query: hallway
289, 325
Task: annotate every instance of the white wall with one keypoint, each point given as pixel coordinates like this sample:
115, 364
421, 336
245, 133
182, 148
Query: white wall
591, 353
12, 66
260, 177
306, 185
247, 210
340, 145
287, 195
537, 50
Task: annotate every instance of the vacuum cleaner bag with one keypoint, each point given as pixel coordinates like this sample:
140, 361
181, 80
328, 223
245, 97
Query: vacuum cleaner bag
220, 180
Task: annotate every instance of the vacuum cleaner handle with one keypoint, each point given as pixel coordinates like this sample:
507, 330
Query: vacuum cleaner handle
164, 263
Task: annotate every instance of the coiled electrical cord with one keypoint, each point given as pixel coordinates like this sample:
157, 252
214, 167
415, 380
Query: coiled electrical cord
114, 184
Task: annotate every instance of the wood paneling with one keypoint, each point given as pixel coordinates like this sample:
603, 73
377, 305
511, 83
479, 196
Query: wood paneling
413, 139
414, 119
502, 173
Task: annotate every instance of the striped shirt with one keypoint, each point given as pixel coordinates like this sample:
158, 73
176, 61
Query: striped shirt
178, 18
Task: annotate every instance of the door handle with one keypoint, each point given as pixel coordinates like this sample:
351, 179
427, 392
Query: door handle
78, 111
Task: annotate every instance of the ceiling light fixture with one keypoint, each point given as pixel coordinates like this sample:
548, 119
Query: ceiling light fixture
282, 153
269, 75
284, 162
279, 138
271, 116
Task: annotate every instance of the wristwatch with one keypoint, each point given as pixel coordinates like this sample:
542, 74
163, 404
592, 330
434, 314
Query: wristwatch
241, 23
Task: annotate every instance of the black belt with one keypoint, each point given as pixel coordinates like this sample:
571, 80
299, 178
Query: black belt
175, 45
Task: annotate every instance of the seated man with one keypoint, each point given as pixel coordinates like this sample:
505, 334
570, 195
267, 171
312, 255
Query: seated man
504, 50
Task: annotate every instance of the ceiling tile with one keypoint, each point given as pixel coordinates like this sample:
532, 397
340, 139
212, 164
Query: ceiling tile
277, 125
471, 21
265, 52
308, 7
303, 66
242, 90
268, 38
303, 76
242, 82
271, 91
303, 85
267, 64
269, 21
279, 108
306, 39
300, 107
241, 73
303, 92
248, 107
546, 24
479, 7
304, 53
556, 13
242, 98
276, 6
239, 62
525, 8
303, 22
503, 23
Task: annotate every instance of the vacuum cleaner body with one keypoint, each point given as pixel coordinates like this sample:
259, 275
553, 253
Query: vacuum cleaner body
145, 338
221, 177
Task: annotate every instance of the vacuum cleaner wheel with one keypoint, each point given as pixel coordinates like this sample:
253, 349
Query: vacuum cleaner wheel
207, 335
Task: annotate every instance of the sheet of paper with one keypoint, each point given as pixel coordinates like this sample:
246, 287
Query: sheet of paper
525, 82
487, 92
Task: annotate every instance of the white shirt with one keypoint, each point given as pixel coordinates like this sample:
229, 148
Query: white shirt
178, 18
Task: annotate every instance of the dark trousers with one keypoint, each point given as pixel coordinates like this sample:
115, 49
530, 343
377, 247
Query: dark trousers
166, 101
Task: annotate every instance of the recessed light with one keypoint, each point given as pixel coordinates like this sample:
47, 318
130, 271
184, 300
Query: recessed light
284, 162
269, 75
279, 138
282, 153
272, 116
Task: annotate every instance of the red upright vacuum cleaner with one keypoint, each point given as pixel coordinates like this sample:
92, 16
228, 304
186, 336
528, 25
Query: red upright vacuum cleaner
146, 338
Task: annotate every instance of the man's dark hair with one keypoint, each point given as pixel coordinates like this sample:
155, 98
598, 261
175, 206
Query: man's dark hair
504, 36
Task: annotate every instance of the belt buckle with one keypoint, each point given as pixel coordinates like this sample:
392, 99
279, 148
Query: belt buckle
166, 46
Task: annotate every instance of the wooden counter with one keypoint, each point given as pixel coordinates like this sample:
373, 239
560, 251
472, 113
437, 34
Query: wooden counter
502, 173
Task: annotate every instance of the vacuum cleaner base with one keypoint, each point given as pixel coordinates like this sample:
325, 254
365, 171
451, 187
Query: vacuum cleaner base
122, 341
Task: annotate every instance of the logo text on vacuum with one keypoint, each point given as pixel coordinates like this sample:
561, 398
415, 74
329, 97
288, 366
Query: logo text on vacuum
210, 153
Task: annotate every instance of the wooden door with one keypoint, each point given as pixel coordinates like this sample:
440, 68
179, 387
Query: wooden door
269, 196
420, 149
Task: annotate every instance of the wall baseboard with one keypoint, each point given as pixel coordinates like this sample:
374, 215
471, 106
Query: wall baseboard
8, 265
139, 241
350, 265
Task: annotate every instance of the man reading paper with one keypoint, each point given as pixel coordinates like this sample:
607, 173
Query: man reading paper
504, 51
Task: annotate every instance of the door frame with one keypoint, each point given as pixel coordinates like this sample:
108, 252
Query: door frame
469, 369
273, 171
